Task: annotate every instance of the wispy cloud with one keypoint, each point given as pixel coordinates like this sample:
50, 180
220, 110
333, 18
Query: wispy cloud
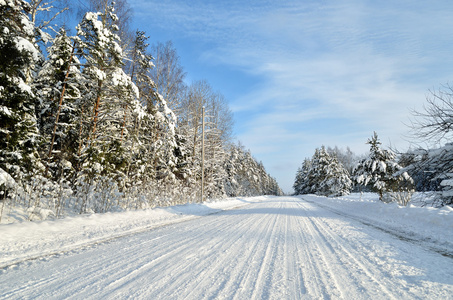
327, 73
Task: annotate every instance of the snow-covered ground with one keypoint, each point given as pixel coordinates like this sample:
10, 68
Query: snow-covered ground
21, 241
353, 247
426, 224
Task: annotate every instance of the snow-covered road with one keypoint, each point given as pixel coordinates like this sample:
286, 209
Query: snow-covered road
280, 248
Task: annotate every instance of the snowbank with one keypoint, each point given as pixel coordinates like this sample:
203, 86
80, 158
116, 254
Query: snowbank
28, 240
21, 241
424, 223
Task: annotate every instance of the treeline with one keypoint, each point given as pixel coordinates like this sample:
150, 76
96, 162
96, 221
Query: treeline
394, 176
334, 173
93, 122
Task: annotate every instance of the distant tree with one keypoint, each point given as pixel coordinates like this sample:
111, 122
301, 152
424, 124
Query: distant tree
380, 170
302, 183
246, 176
327, 176
346, 157
168, 74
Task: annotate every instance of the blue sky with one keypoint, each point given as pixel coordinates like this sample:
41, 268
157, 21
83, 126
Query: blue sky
302, 74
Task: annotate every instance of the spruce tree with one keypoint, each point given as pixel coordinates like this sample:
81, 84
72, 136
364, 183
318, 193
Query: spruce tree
323, 175
337, 181
19, 135
59, 91
317, 173
380, 170
302, 183
157, 128
110, 95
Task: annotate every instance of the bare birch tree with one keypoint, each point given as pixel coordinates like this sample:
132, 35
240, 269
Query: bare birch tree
435, 122
168, 74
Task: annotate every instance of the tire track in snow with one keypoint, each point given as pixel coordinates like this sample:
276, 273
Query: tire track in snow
204, 263
187, 272
249, 256
377, 275
181, 251
261, 281
335, 265
93, 274
311, 258
282, 248
288, 279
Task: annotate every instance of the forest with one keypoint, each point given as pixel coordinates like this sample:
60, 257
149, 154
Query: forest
100, 120
394, 175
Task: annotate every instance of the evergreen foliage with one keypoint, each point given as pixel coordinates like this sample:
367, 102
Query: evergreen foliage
59, 92
19, 135
302, 183
246, 176
432, 170
322, 175
81, 130
380, 171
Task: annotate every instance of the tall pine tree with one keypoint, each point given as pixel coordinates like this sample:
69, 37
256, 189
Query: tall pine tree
110, 92
59, 92
19, 136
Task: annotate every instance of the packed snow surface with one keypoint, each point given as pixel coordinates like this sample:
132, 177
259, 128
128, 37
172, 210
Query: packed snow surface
310, 247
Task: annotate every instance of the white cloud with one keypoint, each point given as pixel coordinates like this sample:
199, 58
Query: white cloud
329, 73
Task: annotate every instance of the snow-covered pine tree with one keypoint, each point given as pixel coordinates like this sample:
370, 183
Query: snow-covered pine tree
59, 91
246, 176
275, 188
327, 176
110, 93
232, 186
297, 181
302, 183
156, 132
337, 181
317, 173
19, 135
263, 178
168, 76
380, 170
250, 168
110, 97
